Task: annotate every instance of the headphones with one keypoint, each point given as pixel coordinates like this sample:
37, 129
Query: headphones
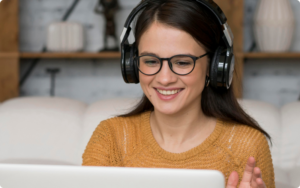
221, 64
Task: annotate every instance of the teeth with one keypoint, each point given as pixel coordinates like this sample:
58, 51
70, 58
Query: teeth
168, 92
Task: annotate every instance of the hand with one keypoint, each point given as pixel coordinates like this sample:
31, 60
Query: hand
251, 178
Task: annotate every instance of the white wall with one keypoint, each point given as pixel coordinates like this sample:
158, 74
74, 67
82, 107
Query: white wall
274, 81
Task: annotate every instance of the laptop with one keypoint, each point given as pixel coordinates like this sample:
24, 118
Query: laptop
47, 176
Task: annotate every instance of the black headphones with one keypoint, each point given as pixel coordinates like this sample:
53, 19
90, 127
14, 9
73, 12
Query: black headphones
222, 62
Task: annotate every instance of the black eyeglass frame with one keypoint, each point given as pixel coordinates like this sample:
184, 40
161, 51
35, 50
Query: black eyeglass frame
169, 62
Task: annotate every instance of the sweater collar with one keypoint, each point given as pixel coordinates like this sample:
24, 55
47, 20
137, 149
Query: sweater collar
149, 139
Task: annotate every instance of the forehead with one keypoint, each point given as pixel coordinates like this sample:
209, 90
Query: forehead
166, 41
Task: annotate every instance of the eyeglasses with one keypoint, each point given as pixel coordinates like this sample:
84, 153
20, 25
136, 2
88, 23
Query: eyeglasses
179, 64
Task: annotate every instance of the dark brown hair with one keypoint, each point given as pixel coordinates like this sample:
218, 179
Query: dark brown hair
199, 22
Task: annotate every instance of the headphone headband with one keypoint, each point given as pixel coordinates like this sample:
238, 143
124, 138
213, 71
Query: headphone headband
212, 6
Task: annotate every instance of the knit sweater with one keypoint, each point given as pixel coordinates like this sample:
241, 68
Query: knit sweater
129, 142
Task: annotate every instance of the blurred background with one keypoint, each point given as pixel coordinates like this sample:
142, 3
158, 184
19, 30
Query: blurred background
271, 78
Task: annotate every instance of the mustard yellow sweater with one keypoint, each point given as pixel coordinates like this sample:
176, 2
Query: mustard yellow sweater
128, 142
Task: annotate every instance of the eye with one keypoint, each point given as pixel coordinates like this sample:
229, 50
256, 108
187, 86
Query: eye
183, 63
150, 62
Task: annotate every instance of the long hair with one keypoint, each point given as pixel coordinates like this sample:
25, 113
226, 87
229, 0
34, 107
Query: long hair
203, 26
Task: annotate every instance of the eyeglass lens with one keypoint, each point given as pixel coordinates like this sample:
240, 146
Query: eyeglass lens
180, 64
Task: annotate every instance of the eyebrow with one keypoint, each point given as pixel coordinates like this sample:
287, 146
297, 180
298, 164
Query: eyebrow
150, 53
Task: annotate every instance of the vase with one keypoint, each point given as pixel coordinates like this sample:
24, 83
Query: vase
274, 25
65, 37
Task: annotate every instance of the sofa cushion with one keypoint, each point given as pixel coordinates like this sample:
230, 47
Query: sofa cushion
287, 178
47, 129
290, 149
282, 179
294, 176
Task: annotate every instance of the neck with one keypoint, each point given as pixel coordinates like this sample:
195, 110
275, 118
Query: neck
175, 130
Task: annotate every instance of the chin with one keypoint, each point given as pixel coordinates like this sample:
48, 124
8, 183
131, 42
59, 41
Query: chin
167, 109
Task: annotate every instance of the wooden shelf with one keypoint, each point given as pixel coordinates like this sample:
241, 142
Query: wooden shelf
32, 55
9, 55
264, 55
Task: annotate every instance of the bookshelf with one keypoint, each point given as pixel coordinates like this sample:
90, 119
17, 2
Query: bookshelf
260, 55
10, 55
108, 55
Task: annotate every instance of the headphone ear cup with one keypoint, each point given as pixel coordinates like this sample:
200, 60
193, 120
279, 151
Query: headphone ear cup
132, 71
128, 66
125, 55
134, 55
135, 61
229, 68
213, 71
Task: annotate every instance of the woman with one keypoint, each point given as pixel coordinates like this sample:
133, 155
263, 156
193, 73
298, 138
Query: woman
181, 121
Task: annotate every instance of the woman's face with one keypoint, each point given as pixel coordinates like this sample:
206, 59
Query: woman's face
165, 41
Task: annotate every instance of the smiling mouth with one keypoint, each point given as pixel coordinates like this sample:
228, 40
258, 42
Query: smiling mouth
168, 92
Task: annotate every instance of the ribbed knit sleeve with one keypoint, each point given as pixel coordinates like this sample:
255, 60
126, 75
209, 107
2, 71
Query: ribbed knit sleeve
264, 162
97, 152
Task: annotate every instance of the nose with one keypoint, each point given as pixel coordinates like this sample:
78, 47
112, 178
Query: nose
165, 76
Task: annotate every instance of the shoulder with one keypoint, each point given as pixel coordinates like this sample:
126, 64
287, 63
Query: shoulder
120, 123
117, 129
241, 140
241, 133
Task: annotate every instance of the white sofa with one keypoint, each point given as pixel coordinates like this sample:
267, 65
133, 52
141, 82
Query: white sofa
40, 130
